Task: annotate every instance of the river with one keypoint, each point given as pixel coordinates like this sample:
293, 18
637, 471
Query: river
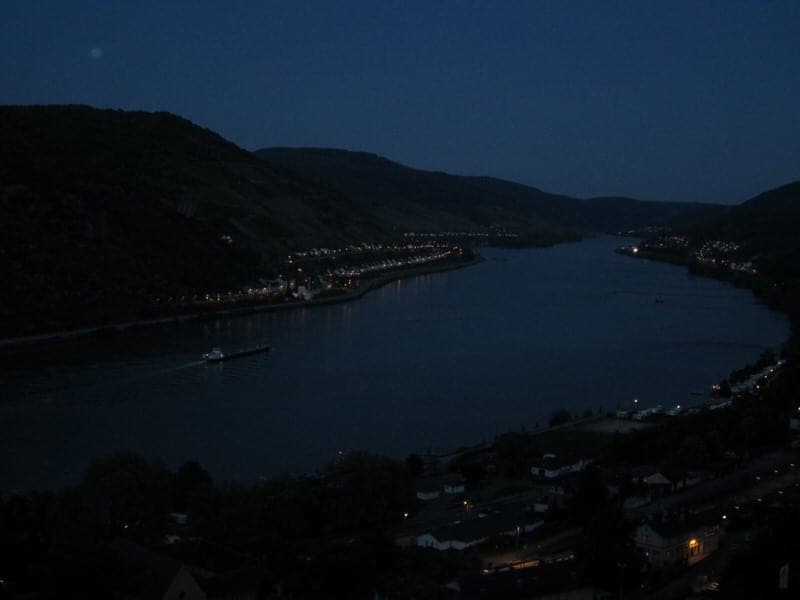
428, 363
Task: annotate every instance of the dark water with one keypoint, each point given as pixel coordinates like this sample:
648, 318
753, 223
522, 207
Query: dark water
432, 362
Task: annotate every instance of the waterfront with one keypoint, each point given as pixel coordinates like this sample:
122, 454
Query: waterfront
431, 362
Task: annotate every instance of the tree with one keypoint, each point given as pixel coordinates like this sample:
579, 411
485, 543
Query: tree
126, 489
591, 495
514, 453
473, 473
372, 490
607, 550
560, 417
415, 464
190, 479
692, 452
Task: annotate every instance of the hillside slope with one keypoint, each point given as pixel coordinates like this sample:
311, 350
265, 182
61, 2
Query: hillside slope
766, 227
417, 199
104, 210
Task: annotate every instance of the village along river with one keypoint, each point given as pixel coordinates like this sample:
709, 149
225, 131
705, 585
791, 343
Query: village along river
428, 363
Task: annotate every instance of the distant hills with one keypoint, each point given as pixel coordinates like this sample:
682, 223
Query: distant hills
414, 199
105, 210
767, 227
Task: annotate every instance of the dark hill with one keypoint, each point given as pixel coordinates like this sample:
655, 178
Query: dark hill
766, 226
415, 199
104, 210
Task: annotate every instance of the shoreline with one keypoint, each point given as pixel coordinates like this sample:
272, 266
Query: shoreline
354, 294
442, 456
739, 282
759, 286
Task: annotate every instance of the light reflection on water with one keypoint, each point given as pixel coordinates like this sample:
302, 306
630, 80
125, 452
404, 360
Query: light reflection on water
435, 362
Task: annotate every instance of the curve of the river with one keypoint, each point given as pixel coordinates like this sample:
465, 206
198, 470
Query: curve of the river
428, 363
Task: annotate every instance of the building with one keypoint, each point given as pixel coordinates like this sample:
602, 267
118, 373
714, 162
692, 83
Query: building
677, 541
658, 484
471, 532
551, 466
433, 487
453, 484
305, 293
429, 489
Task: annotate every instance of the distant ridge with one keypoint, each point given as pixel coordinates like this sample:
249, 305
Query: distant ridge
104, 211
417, 199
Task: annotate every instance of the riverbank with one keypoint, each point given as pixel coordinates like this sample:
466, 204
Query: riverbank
372, 375
773, 294
764, 290
360, 291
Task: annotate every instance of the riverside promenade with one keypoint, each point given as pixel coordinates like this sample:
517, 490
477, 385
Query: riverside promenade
364, 287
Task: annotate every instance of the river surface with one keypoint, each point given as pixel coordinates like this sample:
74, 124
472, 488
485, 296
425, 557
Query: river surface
427, 363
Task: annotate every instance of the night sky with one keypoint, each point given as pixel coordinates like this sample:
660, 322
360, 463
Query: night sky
657, 100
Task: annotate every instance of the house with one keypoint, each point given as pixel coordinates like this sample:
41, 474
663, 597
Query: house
646, 413
540, 505
429, 489
677, 541
657, 479
432, 487
453, 484
150, 575
471, 532
639, 472
634, 502
697, 477
304, 293
720, 405
551, 466
658, 484
179, 518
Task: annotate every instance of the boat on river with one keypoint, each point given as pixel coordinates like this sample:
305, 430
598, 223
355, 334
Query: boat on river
217, 355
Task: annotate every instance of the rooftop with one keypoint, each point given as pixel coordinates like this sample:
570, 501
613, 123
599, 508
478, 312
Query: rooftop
482, 527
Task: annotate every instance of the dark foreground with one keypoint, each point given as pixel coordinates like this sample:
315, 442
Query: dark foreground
700, 501
725, 479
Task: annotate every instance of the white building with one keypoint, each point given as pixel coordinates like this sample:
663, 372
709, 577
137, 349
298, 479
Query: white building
453, 484
471, 532
304, 293
551, 466
676, 542
429, 490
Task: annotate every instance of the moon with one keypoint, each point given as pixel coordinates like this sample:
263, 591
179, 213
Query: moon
96, 53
